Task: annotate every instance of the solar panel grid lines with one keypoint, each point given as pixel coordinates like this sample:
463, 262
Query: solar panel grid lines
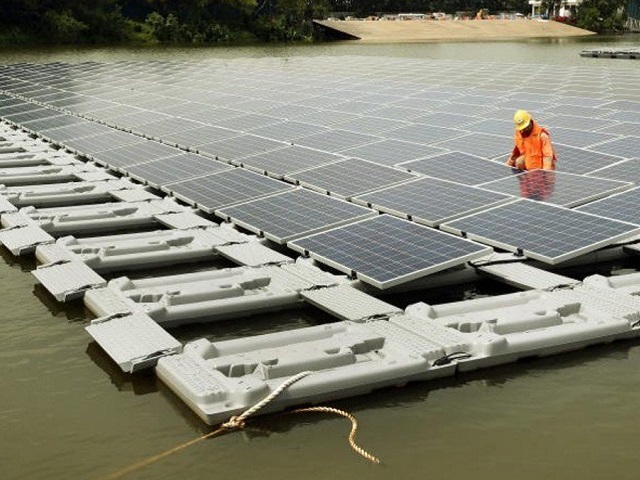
74, 131
237, 147
392, 152
448, 120
541, 231
287, 161
288, 131
93, 145
559, 188
30, 116
285, 216
430, 201
225, 188
385, 251
621, 206
626, 147
458, 167
134, 153
484, 145
336, 140
580, 138
425, 134
623, 128
177, 168
581, 160
349, 177
625, 170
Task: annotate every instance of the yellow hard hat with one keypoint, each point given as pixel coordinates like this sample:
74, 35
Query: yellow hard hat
522, 119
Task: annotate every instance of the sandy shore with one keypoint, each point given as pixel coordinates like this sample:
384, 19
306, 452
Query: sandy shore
433, 30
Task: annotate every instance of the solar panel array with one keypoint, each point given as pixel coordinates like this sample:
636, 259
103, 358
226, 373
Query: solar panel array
398, 135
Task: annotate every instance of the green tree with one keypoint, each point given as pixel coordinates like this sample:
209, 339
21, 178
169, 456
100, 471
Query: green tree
602, 15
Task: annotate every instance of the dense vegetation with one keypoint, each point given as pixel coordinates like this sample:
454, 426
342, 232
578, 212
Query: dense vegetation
208, 21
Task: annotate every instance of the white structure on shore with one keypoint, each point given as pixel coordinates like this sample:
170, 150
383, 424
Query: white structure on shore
564, 11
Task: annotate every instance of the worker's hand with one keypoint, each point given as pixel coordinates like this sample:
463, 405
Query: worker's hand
519, 162
511, 163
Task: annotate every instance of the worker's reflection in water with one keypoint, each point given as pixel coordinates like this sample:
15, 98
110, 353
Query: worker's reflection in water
536, 184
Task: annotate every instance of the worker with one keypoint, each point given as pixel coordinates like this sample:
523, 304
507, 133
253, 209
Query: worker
533, 148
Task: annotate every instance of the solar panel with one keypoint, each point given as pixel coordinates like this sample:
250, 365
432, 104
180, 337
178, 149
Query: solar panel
288, 161
226, 188
559, 188
335, 141
177, 168
623, 207
398, 112
431, 201
392, 152
247, 122
289, 131
581, 123
39, 114
293, 214
624, 128
580, 161
105, 141
579, 138
626, 171
195, 137
240, 146
459, 167
541, 231
75, 131
485, 145
627, 147
385, 251
425, 134
350, 177
135, 153
372, 125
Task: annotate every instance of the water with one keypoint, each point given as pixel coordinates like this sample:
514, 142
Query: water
66, 412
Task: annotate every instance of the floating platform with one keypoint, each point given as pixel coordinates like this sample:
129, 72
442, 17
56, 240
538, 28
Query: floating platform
626, 53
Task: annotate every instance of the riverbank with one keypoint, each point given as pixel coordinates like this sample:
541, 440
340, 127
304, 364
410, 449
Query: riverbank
434, 30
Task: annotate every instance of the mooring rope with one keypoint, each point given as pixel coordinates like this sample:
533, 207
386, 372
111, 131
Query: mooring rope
238, 422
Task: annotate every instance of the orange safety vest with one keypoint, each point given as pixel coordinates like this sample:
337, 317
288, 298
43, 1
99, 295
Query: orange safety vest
531, 148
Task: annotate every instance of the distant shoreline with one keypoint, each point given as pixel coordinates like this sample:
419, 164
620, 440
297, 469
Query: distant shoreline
434, 30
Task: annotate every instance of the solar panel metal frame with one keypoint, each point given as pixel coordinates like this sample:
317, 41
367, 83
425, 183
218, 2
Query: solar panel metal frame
242, 183
418, 215
621, 206
299, 246
231, 214
457, 227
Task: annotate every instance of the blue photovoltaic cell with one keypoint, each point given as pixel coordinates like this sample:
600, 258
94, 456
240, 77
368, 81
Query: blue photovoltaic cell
541, 231
486, 145
241, 146
293, 214
351, 177
288, 161
580, 160
392, 152
385, 251
431, 201
623, 207
459, 167
226, 188
559, 188
625, 171
177, 168
627, 147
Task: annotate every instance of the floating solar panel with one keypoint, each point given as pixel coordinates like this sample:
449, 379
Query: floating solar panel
335, 141
392, 152
135, 153
385, 251
625, 171
623, 207
174, 169
622, 116
326, 118
451, 120
424, 134
582, 123
627, 147
106, 141
541, 231
226, 188
293, 214
580, 160
289, 131
459, 167
431, 201
246, 123
627, 105
372, 125
579, 138
558, 188
75, 131
288, 161
624, 128
398, 112
237, 147
350, 177
39, 114
486, 145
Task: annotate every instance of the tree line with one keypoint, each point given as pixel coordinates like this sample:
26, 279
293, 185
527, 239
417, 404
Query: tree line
212, 21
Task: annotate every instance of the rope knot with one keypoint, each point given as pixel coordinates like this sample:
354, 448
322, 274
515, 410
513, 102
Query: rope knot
234, 423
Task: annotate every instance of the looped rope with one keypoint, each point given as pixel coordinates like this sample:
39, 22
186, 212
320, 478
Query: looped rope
238, 422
